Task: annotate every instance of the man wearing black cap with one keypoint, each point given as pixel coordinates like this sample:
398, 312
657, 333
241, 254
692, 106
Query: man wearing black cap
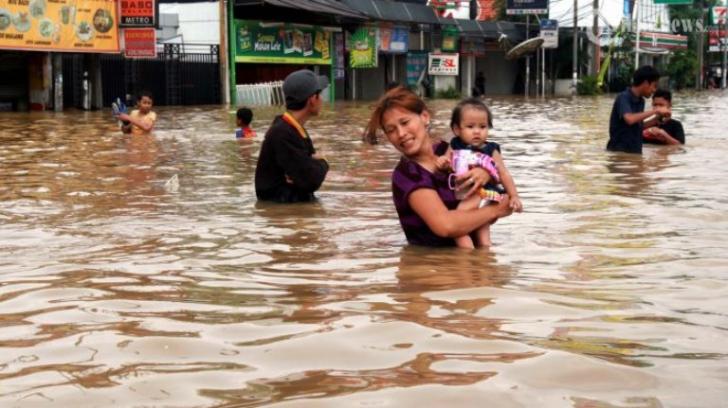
289, 170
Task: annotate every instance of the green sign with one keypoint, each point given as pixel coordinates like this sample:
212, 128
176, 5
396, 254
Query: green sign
280, 43
450, 37
673, 2
363, 48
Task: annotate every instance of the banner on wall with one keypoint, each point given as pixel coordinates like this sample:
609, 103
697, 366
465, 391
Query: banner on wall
280, 43
444, 64
393, 39
416, 66
138, 13
363, 48
451, 8
140, 42
59, 25
340, 61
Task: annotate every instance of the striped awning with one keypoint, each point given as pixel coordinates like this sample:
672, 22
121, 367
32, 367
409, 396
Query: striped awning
662, 41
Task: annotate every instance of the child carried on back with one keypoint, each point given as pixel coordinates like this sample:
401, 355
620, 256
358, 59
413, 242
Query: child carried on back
470, 147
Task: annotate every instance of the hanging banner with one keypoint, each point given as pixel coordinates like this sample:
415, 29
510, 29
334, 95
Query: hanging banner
393, 39
340, 61
140, 42
59, 25
487, 10
527, 6
278, 43
444, 64
363, 48
138, 13
451, 8
550, 33
450, 36
416, 66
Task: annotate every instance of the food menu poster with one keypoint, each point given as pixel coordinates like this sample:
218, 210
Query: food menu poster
279, 43
59, 25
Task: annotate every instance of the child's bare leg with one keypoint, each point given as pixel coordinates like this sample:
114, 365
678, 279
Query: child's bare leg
483, 236
471, 203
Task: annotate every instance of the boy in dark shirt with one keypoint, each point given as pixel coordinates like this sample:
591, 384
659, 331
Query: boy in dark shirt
668, 131
625, 122
289, 170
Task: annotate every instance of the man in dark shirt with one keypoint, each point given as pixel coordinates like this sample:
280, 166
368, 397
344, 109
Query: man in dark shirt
289, 170
669, 131
625, 122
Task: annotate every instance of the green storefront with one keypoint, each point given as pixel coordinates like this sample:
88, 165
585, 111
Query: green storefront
267, 51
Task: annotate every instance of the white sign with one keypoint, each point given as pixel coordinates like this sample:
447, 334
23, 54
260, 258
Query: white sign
444, 64
550, 38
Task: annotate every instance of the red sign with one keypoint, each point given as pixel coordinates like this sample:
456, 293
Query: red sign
138, 13
140, 43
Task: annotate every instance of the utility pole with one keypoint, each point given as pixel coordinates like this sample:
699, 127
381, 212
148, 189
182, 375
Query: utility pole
528, 58
222, 53
724, 44
574, 52
701, 47
595, 30
637, 36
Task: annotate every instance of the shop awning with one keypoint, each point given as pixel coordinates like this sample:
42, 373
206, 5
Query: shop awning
489, 29
398, 12
331, 7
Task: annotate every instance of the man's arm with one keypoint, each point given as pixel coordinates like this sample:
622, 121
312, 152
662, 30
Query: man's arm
144, 124
305, 172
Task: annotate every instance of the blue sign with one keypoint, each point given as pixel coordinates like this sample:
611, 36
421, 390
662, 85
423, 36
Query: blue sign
549, 24
416, 66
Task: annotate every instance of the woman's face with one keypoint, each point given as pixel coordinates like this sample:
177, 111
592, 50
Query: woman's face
406, 130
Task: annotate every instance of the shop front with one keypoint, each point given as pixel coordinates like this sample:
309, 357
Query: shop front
33, 36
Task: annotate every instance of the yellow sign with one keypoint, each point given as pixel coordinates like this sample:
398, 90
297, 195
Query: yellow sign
59, 25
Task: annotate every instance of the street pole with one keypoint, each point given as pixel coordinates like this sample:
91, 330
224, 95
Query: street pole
574, 51
595, 30
223, 54
528, 59
637, 36
724, 44
701, 47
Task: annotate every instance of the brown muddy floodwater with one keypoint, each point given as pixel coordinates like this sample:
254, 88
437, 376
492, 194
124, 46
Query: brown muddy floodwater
610, 290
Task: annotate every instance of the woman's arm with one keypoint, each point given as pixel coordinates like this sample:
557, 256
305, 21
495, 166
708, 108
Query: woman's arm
453, 223
508, 182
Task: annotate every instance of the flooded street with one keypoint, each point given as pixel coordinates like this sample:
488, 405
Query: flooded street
120, 289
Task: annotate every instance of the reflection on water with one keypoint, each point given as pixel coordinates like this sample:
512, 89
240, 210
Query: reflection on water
610, 291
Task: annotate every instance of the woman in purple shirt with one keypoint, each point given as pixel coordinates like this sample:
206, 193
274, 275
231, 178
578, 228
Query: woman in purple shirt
425, 204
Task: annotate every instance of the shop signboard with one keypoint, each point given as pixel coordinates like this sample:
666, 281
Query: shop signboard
278, 43
450, 37
444, 64
451, 8
650, 41
393, 39
716, 38
416, 66
59, 25
138, 13
550, 33
717, 15
363, 48
527, 6
140, 42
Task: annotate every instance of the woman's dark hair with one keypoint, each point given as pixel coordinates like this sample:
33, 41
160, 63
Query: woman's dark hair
645, 73
471, 103
245, 115
398, 97
664, 94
